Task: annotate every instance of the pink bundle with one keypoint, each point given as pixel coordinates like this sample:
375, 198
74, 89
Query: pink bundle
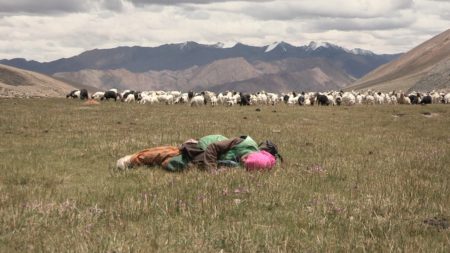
260, 160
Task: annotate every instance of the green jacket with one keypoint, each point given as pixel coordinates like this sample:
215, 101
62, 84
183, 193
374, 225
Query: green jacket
204, 142
248, 145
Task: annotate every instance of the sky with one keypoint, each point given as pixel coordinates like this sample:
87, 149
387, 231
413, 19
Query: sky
47, 30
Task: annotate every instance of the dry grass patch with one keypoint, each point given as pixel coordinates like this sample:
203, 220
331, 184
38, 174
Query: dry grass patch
355, 179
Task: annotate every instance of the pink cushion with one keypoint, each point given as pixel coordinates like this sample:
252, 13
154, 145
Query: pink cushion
260, 160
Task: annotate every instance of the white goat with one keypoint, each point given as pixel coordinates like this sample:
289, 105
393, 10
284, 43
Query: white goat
198, 100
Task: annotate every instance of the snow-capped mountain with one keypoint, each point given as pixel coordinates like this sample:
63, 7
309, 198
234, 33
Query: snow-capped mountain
359, 51
182, 56
282, 45
313, 45
218, 45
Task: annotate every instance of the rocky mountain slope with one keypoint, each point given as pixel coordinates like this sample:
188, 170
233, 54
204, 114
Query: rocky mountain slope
16, 82
424, 68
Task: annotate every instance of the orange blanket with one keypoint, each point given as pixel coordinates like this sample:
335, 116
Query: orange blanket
154, 156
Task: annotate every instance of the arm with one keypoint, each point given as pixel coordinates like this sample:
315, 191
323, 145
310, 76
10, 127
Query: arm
215, 150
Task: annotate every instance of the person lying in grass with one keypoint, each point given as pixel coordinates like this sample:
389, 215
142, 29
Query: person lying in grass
209, 153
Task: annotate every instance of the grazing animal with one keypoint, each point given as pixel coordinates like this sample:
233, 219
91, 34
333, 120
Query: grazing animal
393, 99
262, 98
131, 96
331, 100
379, 98
208, 95
436, 98
221, 98
84, 94
182, 99
293, 100
253, 99
312, 100
245, 99
111, 95
74, 94
414, 99
198, 101
339, 101
98, 95
447, 99
426, 100
403, 100
151, 99
175, 93
369, 100
273, 98
214, 101
166, 99
348, 99
190, 95
126, 94
301, 100
322, 99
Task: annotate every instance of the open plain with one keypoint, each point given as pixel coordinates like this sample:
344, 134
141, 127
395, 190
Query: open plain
362, 178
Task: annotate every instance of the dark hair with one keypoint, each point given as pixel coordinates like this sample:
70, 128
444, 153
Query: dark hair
270, 147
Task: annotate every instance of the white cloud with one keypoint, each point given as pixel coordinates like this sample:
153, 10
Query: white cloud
288, 9
52, 30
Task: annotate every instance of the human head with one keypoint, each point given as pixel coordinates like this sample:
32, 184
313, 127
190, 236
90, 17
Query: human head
271, 148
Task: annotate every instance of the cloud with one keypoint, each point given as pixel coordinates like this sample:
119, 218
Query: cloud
49, 7
42, 6
68, 6
179, 2
261, 9
359, 24
51, 29
288, 9
114, 5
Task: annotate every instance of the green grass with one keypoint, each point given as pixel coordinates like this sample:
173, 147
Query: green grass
385, 170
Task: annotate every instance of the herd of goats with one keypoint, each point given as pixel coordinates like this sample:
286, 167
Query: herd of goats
229, 98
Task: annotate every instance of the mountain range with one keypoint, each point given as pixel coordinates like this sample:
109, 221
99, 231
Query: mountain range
190, 65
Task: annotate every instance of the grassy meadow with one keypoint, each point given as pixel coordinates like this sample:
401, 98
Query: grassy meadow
360, 179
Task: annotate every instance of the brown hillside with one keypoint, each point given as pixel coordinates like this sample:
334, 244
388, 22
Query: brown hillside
284, 75
414, 66
218, 72
224, 71
16, 82
314, 75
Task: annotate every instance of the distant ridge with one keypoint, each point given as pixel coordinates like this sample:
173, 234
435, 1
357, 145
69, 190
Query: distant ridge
424, 68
